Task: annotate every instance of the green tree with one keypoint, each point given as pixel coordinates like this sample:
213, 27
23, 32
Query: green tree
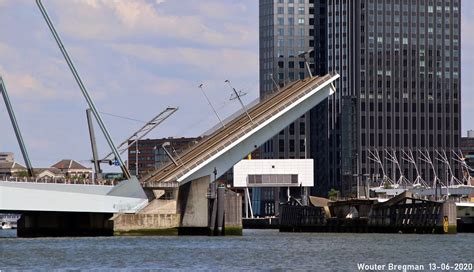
22, 174
333, 194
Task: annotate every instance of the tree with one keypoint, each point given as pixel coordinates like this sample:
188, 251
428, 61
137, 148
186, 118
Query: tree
333, 194
22, 174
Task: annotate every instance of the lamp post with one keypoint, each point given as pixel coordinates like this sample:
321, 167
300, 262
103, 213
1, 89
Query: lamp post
237, 96
164, 145
274, 82
210, 104
136, 158
303, 55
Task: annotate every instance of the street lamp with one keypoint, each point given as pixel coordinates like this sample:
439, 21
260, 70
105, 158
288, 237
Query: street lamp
274, 82
237, 96
136, 158
210, 104
303, 55
164, 145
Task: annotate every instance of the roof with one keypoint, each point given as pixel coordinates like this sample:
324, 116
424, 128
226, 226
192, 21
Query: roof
53, 170
69, 164
11, 165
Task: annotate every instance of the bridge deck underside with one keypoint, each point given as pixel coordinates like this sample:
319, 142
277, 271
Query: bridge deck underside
127, 197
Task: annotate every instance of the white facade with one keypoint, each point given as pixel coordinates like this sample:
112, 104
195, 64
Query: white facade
274, 169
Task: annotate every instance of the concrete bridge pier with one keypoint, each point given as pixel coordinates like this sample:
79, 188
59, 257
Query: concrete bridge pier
207, 209
197, 207
64, 224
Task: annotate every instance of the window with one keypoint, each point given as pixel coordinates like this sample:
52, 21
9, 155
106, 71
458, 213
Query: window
292, 145
301, 21
302, 128
302, 146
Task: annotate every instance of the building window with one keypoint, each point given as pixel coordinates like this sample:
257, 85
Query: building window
292, 145
302, 128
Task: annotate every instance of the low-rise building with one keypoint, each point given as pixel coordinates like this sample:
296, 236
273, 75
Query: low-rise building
6, 157
12, 169
48, 173
151, 155
71, 169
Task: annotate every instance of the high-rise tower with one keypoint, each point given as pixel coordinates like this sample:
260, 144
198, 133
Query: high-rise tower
399, 90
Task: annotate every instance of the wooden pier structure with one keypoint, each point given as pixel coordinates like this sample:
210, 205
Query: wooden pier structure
401, 214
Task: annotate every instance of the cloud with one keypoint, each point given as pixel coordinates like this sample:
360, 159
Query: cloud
212, 62
135, 57
26, 86
112, 20
4, 48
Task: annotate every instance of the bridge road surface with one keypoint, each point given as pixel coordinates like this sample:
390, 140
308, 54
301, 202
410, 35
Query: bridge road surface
215, 146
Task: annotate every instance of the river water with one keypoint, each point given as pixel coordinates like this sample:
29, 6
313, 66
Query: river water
266, 250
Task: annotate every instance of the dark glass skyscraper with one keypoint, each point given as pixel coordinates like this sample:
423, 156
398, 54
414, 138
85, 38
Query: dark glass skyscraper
399, 89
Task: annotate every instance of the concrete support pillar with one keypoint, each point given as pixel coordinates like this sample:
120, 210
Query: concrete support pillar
220, 209
194, 207
449, 217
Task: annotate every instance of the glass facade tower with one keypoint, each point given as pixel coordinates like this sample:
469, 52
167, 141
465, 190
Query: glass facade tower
399, 89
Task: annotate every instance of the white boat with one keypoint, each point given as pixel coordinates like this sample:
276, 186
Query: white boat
6, 225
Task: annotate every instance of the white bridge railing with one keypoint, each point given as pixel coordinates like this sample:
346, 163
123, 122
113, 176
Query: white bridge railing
58, 180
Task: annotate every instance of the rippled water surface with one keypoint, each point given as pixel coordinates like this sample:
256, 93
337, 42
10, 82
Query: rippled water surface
256, 250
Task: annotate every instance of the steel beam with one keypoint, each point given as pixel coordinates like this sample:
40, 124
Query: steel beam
98, 174
84, 91
19, 137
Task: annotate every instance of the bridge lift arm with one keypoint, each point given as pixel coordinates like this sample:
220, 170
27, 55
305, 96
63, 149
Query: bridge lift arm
83, 89
143, 131
19, 137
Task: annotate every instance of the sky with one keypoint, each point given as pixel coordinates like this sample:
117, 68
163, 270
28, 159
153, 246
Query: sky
136, 58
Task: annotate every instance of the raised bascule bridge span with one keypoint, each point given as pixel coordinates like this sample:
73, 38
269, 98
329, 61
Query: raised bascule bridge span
176, 196
220, 151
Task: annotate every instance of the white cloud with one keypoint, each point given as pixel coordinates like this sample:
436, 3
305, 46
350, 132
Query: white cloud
219, 9
111, 20
4, 49
213, 62
30, 87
